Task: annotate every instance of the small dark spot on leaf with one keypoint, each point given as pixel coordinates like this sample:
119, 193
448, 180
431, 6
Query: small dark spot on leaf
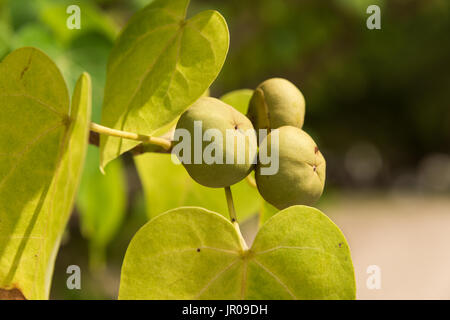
340, 244
23, 72
316, 149
26, 67
314, 168
66, 121
198, 249
233, 220
182, 23
235, 127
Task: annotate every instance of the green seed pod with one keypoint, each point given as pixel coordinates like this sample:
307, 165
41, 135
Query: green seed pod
275, 103
301, 173
219, 148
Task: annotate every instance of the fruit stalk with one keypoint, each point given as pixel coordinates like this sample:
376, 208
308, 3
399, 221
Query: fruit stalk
233, 217
164, 143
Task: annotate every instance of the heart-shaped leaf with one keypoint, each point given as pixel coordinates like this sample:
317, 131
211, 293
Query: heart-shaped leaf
192, 253
160, 65
42, 147
168, 185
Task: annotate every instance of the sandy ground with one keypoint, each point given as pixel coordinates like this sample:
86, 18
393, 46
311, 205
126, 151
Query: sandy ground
407, 237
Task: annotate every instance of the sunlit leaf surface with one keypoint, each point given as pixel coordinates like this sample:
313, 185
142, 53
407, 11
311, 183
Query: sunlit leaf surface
42, 147
192, 253
160, 65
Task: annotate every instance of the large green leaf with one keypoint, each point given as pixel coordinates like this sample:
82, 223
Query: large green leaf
168, 185
102, 203
160, 65
192, 253
42, 147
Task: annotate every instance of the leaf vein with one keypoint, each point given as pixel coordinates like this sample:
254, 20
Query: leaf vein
295, 248
217, 276
177, 60
204, 37
244, 279
141, 81
196, 249
27, 148
277, 279
135, 43
42, 103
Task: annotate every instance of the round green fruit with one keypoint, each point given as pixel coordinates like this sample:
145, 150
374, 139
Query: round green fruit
301, 172
275, 103
220, 148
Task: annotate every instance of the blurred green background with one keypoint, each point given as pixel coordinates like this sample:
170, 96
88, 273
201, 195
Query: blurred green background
377, 105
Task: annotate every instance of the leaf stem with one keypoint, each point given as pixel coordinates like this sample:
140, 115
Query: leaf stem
233, 217
164, 143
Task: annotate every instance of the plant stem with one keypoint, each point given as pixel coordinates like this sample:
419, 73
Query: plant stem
164, 143
233, 217
230, 204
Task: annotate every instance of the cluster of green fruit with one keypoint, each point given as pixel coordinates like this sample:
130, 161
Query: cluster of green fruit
276, 104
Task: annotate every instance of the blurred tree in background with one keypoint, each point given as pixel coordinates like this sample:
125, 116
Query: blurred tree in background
377, 100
